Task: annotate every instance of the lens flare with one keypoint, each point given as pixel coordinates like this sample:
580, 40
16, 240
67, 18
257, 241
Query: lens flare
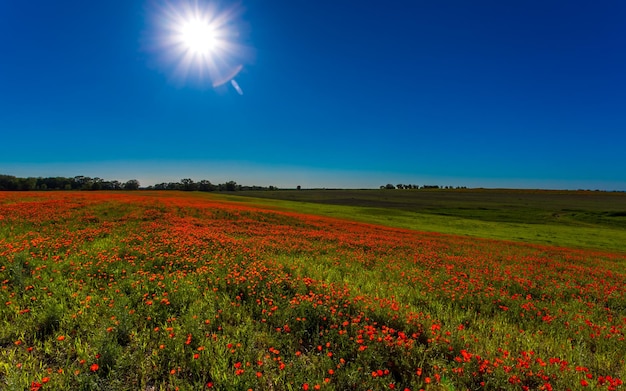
200, 42
236, 86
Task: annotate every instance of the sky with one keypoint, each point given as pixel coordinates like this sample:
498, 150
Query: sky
326, 93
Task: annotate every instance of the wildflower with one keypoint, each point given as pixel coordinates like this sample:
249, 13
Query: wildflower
94, 367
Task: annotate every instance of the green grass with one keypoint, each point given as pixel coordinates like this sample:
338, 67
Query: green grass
185, 291
594, 220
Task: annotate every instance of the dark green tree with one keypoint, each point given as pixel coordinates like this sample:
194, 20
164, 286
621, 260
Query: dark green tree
205, 185
96, 183
132, 184
188, 184
231, 186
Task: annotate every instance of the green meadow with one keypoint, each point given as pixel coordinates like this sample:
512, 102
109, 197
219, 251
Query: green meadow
579, 219
186, 291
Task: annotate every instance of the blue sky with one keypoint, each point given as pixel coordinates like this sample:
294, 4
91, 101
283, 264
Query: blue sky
335, 93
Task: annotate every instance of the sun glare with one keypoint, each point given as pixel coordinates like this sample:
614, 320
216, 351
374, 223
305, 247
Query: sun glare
199, 36
200, 42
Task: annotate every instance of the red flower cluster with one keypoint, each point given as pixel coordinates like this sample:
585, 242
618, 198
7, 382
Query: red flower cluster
395, 308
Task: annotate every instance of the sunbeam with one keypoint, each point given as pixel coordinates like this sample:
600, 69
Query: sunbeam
200, 42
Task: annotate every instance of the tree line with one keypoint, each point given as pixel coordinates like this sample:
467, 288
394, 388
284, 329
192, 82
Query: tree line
188, 184
80, 182
389, 186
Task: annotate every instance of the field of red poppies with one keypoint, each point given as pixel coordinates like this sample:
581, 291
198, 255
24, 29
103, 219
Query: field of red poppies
172, 291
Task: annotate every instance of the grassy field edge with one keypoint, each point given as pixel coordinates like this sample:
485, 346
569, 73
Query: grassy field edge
600, 238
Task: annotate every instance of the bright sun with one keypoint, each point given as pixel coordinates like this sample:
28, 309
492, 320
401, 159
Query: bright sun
198, 36
201, 41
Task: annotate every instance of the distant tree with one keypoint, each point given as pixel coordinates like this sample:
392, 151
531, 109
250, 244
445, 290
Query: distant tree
27, 184
62, 183
132, 184
96, 184
205, 185
389, 186
8, 182
81, 182
231, 186
111, 185
400, 186
55, 183
188, 184
299, 187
